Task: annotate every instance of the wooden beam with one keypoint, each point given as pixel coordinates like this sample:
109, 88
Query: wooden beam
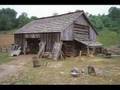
80, 54
25, 47
88, 51
94, 50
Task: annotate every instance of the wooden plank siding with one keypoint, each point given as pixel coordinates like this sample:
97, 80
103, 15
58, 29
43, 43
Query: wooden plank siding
81, 32
82, 21
67, 34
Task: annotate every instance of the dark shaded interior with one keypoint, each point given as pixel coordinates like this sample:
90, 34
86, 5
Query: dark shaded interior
33, 45
72, 48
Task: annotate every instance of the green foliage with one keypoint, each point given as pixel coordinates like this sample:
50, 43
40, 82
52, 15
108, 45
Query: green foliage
114, 13
33, 18
108, 37
8, 20
110, 21
108, 26
23, 19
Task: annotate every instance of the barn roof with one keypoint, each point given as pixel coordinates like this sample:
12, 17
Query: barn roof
50, 24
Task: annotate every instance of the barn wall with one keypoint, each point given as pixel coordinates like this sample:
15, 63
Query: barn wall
81, 32
81, 20
72, 48
19, 39
92, 34
49, 38
67, 34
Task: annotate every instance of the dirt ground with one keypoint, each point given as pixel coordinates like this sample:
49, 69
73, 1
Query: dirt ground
21, 71
13, 67
6, 40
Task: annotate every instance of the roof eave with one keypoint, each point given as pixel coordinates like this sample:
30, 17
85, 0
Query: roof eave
90, 23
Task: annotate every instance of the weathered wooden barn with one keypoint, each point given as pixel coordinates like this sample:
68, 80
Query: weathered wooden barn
65, 34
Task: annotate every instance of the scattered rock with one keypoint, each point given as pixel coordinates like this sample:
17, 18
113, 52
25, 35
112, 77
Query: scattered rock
75, 72
35, 62
83, 72
91, 70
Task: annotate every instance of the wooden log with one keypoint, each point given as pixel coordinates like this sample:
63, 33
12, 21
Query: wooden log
81, 26
81, 37
79, 32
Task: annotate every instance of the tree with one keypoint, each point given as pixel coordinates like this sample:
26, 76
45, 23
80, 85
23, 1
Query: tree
7, 18
33, 18
22, 19
114, 13
97, 22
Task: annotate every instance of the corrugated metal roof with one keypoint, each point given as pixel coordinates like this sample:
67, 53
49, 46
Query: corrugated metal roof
50, 24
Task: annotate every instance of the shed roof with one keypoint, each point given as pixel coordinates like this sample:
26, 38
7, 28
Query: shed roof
56, 23
90, 43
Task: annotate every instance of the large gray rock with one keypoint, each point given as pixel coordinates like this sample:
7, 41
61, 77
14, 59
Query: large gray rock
75, 72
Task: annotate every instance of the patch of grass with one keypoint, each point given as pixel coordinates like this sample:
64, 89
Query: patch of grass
4, 58
108, 38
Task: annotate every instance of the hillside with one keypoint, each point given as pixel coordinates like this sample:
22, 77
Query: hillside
6, 40
108, 38
108, 27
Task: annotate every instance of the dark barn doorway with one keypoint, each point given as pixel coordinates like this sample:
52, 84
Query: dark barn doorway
33, 45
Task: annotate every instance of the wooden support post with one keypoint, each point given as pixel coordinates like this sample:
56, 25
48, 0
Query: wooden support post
5, 49
0, 49
93, 50
88, 51
80, 53
25, 47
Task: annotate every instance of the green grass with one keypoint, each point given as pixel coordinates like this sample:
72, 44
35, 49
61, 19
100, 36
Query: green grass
58, 72
4, 58
108, 38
